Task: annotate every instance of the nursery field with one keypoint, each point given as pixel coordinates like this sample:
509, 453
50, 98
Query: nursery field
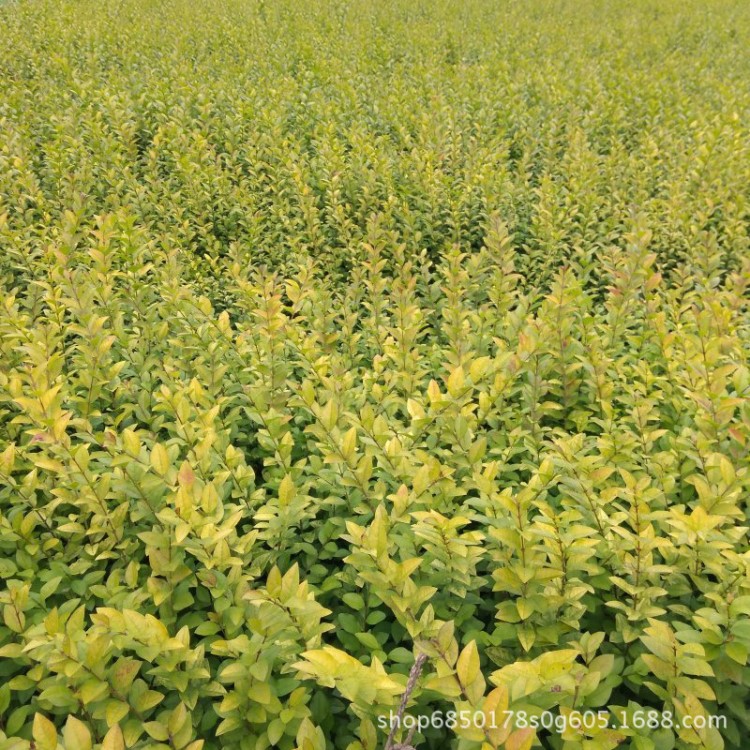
374, 375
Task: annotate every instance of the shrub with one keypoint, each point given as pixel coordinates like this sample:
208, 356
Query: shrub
342, 337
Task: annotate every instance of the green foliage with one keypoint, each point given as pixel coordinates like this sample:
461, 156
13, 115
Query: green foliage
335, 334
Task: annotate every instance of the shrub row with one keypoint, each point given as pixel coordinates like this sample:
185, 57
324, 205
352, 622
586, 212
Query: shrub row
339, 337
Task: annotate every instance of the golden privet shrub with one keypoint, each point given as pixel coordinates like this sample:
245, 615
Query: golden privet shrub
339, 335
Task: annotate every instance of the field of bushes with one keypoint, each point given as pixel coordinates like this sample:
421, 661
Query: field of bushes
363, 360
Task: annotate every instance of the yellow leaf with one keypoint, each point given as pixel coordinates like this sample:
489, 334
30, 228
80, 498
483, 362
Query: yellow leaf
496, 720
7, 458
555, 663
124, 673
478, 368
76, 734
14, 618
456, 382
49, 464
414, 408
177, 719
653, 281
186, 476
115, 712
114, 740
44, 733
496, 701
433, 392
446, 686
467, 666
349, 443
287, 491
160, 459
522, 739
525, 609
329, 415
131, 442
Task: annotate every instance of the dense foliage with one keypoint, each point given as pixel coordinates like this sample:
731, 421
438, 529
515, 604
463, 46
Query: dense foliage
337, 333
